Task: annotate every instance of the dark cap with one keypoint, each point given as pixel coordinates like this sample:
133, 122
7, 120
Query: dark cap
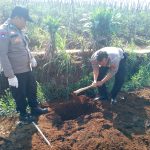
21, 12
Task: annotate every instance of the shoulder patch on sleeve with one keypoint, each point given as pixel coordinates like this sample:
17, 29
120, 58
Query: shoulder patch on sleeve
3, 34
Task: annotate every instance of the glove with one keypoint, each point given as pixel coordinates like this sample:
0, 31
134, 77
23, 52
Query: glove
33, 62
13, 82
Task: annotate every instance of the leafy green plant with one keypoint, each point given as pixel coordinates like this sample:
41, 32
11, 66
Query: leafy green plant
7, 104
101, 26
141, 78
38, 37
131, 64
61, 38
117, 42
40, 93
53, 92
52, 27
5, 10
63, 62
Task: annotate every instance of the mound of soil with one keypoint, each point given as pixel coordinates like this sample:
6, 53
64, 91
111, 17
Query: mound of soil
85, 124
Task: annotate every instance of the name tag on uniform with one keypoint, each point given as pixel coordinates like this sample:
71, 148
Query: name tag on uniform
15, 38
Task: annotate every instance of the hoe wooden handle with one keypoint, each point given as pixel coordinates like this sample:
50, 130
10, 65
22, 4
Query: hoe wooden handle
83, 89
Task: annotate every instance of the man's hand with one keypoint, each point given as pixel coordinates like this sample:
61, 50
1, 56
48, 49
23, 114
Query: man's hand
33, 62
13, 82
100, 83
94, 84
97, 83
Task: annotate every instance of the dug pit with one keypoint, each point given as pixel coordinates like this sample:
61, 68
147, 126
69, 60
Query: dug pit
73, 109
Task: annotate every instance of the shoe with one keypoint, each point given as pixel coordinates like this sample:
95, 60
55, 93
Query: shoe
122, 97
113, 101
96, 98
25, 119
100, 98
37, 111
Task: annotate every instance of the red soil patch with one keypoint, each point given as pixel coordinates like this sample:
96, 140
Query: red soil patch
84, 124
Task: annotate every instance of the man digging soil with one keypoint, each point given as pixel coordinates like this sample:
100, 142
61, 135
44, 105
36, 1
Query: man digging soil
106, 63
17, 63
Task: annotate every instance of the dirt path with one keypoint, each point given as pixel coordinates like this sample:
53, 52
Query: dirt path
85, 124
138, 51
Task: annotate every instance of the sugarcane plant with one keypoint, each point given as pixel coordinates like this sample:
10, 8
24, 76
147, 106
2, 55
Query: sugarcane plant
52, 26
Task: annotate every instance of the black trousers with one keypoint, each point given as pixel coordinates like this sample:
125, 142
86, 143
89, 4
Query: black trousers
26, 93
119, 80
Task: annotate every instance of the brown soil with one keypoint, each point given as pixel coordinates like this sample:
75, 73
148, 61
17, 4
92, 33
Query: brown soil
84, 124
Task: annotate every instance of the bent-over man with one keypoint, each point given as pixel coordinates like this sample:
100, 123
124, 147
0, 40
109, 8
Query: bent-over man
106, 63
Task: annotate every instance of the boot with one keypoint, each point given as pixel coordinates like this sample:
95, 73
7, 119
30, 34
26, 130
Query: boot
113, 100
25, 118
37, 111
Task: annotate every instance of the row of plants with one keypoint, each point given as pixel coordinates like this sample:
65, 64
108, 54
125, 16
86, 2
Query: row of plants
91, 26
95, 29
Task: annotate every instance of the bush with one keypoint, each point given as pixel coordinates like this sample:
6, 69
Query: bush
54, 92
101, 26
7, 104
40, 94
140, 78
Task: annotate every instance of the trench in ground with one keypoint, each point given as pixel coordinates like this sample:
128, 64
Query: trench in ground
72, 110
